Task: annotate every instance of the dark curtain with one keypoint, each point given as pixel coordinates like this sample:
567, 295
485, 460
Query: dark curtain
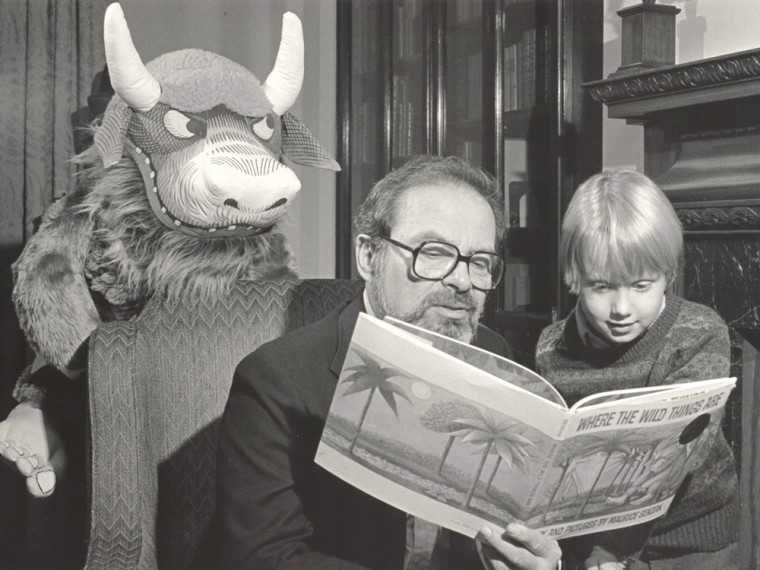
50, 50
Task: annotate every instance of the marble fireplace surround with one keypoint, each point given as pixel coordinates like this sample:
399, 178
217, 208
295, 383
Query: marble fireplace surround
702, 146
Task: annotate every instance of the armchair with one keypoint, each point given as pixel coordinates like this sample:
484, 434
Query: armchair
157, 388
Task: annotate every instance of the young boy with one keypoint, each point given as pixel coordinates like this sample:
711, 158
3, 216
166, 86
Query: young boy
620, 249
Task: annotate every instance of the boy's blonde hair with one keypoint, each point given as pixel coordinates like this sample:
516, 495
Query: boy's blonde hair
619, 226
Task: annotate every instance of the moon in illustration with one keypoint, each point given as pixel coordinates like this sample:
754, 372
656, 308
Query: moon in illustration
421, 390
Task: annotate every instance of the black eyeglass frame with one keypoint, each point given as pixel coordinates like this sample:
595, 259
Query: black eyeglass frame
496, 279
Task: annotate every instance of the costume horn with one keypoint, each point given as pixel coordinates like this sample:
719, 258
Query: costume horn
130, 79
284, 82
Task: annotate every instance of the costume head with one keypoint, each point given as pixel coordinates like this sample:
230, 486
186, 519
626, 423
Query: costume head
208, 137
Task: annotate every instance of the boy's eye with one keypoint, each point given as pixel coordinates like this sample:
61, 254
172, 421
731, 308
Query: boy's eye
600, 286
642, 286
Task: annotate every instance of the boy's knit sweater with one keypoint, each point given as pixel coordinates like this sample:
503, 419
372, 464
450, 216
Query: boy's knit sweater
687, 342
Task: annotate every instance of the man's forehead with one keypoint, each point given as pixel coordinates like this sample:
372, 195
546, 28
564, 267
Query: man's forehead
445, 212
442, 199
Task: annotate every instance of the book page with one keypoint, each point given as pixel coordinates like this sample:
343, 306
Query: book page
651, 392
499, 366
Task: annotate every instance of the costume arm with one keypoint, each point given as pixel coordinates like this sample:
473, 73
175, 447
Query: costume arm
262, 524
52, 300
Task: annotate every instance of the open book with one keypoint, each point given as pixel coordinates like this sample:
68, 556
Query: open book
460, 437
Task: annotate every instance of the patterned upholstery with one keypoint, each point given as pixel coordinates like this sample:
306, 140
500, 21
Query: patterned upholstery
157, 387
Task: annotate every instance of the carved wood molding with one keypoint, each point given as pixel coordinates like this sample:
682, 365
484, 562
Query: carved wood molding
705, 73
717, 218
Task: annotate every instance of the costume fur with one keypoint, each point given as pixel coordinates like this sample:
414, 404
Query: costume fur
179, 195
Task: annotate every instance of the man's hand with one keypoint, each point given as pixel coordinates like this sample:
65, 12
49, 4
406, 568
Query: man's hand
603, 559
31, 446
518, 548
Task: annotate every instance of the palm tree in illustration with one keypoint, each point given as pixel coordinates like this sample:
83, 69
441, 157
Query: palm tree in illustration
371, 377
518, 458
617, 442
443, 417
491, 433
566, 459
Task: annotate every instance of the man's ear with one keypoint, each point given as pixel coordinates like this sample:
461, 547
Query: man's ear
365, 252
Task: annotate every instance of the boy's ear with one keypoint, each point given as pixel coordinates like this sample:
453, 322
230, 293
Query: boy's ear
365, 252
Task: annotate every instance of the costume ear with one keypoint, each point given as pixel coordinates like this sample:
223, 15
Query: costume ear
109, 138
302, 147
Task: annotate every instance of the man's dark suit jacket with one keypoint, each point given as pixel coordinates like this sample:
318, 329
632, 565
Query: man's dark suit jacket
275, 507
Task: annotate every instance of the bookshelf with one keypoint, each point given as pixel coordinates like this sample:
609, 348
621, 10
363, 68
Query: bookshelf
496, 82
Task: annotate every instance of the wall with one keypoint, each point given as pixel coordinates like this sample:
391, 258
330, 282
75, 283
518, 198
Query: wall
704, 28
248, 32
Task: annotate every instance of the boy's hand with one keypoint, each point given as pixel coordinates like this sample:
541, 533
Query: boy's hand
518, 548
31, 446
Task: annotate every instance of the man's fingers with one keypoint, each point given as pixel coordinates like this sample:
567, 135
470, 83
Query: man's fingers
41, 483
14, 452
534, 541
27, 464
523, 548
516, 556
11, 453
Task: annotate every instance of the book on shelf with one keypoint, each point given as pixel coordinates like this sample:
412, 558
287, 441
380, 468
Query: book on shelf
408, 32
461, 437
475, 86
520, 60
464, 11
522, 205
403, 117
516, 284
365, 47
365, 128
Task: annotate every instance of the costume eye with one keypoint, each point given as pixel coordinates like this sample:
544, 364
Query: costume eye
264, 128
182, 126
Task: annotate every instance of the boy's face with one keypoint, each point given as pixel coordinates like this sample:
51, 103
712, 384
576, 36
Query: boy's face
621, 312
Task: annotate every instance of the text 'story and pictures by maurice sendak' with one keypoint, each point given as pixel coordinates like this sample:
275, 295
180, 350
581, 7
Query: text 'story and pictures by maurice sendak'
461, 437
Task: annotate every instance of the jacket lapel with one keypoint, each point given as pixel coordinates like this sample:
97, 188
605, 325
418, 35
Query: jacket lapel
346, 323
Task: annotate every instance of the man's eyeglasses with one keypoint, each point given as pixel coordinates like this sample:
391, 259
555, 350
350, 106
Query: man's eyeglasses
435, 260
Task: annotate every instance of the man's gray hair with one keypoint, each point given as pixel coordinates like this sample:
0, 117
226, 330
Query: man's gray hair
377, 214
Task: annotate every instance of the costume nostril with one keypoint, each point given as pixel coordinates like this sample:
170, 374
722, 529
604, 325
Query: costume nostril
279, 202
231, 202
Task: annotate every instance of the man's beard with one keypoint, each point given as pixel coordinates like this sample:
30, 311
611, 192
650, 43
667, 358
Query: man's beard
463, 330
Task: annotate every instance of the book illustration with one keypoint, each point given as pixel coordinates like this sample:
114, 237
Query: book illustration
430, 440
461, 437
611, 471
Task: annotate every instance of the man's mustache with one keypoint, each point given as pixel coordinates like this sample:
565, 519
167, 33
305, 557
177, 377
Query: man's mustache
450, 299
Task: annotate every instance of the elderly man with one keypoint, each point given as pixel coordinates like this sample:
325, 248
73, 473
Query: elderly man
426, 242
